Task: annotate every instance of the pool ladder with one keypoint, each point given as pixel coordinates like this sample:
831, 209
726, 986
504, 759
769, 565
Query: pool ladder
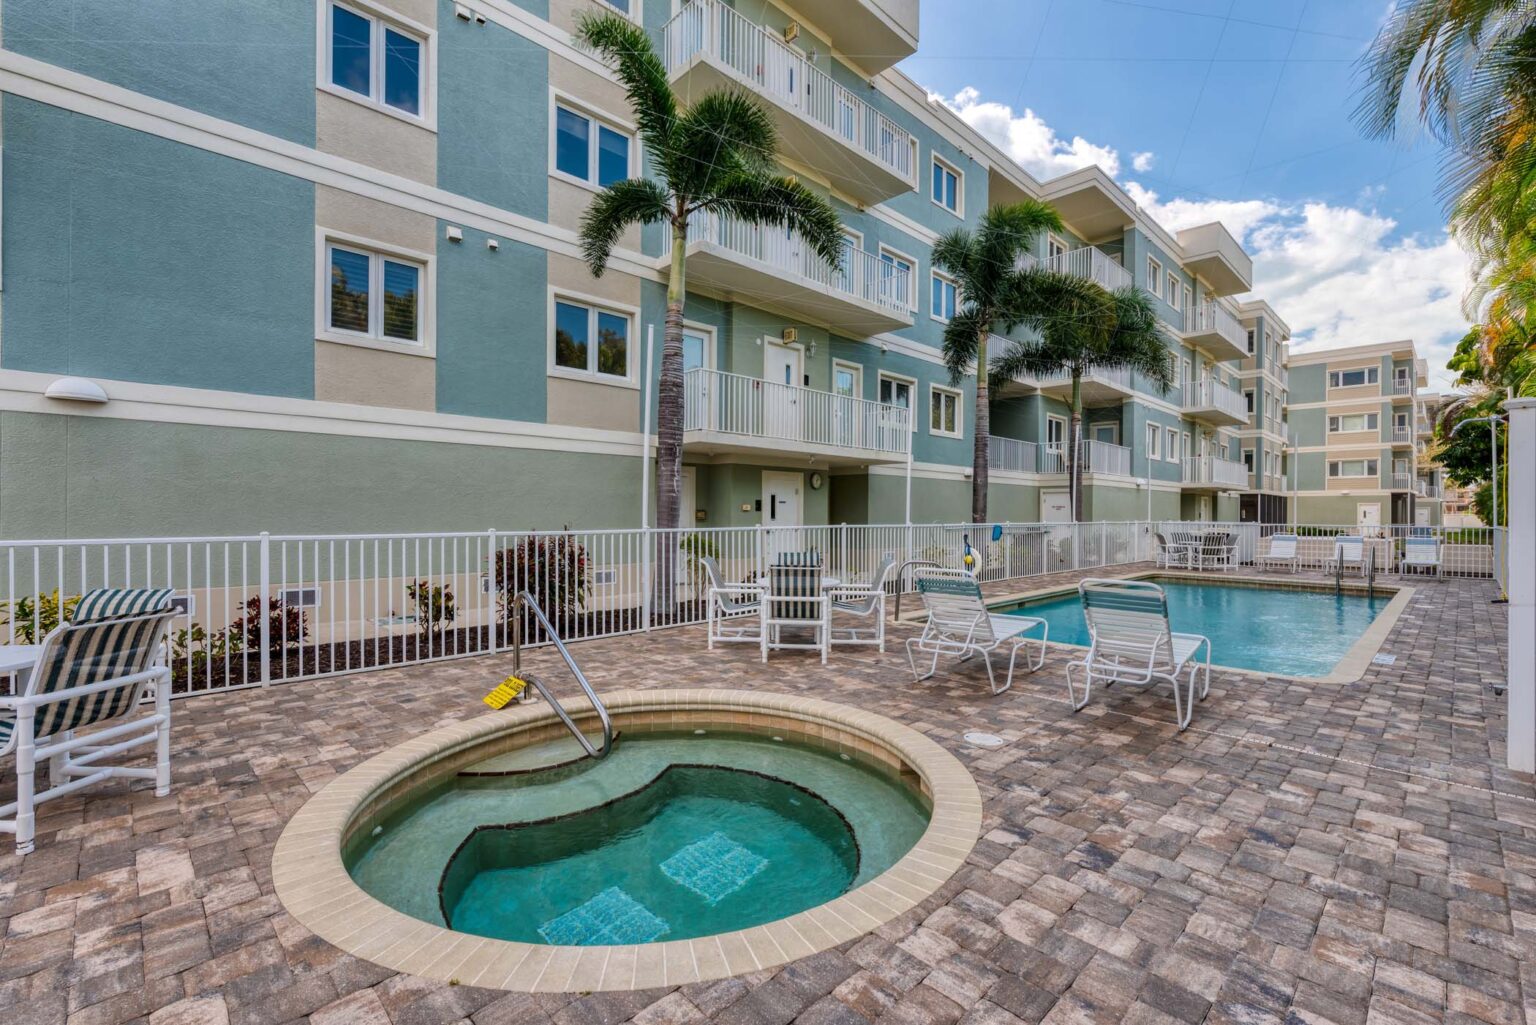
901, 574
525, 601
1370, 572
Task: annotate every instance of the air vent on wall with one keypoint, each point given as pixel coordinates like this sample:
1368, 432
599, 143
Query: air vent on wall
605, 576
300, 597
186, 604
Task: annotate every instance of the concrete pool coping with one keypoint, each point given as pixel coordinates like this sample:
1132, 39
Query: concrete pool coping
312, 882
1350, 667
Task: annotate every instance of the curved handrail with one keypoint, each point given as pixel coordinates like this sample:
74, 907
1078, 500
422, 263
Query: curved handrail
901, 572
522, 601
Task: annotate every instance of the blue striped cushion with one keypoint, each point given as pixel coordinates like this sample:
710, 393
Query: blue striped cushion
794, 582
1126, 600
118, 602
962, 586
89, 653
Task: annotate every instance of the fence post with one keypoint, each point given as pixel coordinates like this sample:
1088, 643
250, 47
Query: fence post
492, 594
648, 546
1520, 568
264, 609
842, 554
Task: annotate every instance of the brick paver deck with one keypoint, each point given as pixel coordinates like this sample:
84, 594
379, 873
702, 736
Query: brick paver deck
1304, 853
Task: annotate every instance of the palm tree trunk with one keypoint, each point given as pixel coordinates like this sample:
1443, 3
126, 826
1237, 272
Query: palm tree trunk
669, 432
1074, 471
983, 435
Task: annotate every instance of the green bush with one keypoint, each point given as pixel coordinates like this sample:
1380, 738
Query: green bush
435, 606
36, 619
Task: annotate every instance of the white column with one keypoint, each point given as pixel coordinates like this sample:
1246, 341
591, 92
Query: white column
1521, 572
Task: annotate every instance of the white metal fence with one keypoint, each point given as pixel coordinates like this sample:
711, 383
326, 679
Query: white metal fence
1463, 551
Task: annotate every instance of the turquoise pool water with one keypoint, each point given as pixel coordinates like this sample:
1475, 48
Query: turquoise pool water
672, 836
1269, 630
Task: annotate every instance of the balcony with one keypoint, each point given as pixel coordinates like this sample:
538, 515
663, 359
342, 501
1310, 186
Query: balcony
1210, 473
778, 272
1399, 389
1211, 327
1012, 455
863, 153
1093, 264
875, 34
733, 414
1402, 481
1100, 386
1214, 403
1400, 436
1211, 252
1424, 489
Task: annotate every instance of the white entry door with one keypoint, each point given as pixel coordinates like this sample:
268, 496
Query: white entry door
847, 412
1055, 507
783, 510
1421, 514
1368, 516
782, 369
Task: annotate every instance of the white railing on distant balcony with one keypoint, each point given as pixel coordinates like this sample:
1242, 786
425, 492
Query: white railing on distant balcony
1225, 473
858, 275
1397, 387
1210, 394
1209, 316
1426, 490
751, 407
1401, 435
1016, 456
768, 65
1276, 426
1093, 264
1402, 481
1115, 377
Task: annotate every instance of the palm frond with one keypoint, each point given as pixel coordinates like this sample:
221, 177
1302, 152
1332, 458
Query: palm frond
625, 47
765, 198
953, 251
725, 131
962, 337
615, 208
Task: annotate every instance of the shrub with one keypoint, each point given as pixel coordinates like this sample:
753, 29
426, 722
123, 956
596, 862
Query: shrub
35, 619
696, 548
553, 568
434, 603
196, 646
287, 625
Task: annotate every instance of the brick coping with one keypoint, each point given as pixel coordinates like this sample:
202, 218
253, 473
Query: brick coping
312, 882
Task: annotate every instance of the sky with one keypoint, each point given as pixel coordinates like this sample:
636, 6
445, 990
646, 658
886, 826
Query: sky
1230, 110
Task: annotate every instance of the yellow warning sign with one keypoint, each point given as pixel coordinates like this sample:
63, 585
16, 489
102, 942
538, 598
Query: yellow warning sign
505, 691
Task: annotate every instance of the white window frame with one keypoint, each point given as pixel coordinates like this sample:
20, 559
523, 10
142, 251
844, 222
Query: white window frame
1250, 460
426, 301
1111, 425
1189, 444
858, 377
690, 327
1335, 466
1173, 446
1055, 246
1251, 333
636, 12
959, 208
1189, 297
937, 275
381, 17
1154, 441
594, 303
1336, 423
911, 383
1174, 284
911, 262
1372, 376
1154, 274
598, 117
934, 392
1053, 418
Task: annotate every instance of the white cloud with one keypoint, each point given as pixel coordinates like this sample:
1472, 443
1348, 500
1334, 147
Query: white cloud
1141, 162
1028, 139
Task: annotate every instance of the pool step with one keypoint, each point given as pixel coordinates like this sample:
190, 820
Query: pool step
556, 753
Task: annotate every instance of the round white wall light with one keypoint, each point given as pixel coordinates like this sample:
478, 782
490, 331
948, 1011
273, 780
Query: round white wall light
76, 389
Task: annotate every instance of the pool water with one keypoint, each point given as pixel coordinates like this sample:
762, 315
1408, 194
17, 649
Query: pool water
672, 836
1268, 630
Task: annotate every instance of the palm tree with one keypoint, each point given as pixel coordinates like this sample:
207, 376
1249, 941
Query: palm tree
1087, 328
984, 264
715, 159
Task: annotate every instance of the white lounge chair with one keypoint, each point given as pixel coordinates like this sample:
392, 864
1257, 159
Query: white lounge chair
1348, 553
1422, 553
960, 624
795, 600
735, 611
866, 602
1133, 644
92, 672
1282, 552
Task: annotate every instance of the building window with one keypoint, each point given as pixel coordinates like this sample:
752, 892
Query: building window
590, 340
946, 186
898, 278
1189, 299
1173, 289
1248, 397
944, 296
588, 150
1174, 451
1248, 459
377, 61
1055, 433
897, 391
944, 412
1346, 423
1353, 468
1154, 274
1154, 441
1250, 341
1054, 247
373, 295
1354, 378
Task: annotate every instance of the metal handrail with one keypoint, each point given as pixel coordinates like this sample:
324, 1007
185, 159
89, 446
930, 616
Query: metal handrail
901, 572
524, 600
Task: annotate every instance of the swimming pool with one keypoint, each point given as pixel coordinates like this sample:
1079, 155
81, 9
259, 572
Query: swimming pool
1285, 631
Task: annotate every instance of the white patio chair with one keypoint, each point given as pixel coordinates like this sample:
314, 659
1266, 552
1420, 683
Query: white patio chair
866, 602
1282, 552
1216, 551
91, 672
734, 611
960, 624
1172, 554
795, 600
1348, 553
1132, 643
1420, 553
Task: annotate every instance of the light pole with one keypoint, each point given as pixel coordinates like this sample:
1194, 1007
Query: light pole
1493, 434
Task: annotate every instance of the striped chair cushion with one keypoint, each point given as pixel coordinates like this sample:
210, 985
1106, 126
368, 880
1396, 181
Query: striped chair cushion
88, 653
786, 583
118, 602
962, 586
810, 558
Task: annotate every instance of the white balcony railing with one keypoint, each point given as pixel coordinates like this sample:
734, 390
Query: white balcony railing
1093, 264
764, 62
1427, 490
1212, 394
858, 275
1401, 435
1397, 387
750, 407
1226, 473
1402, 481
1013, 455
1115, 377
1213, 317
1033, 457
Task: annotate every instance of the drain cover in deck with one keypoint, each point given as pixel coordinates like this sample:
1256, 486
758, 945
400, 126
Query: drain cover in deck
984, 739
